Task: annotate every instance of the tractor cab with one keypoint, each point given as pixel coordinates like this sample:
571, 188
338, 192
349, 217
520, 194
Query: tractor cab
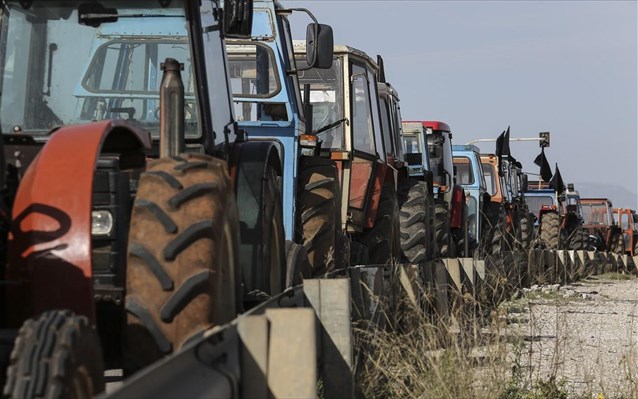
628, 222
347, 122
490, 165
469, 174
599, 221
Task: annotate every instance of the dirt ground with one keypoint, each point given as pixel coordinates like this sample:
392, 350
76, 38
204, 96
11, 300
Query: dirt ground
583, 337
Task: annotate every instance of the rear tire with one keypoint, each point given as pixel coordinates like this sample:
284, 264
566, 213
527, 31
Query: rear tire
317, 207
442, 228
383, 238
579, 240
525, 230
414, 216
618, 244
550, 223
57, 355
183, 274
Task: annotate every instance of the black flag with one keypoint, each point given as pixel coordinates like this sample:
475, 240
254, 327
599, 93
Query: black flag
546, 170
557, 182
499, 152
506, 143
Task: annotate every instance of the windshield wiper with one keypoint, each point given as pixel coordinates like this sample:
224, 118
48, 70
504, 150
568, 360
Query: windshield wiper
330, 126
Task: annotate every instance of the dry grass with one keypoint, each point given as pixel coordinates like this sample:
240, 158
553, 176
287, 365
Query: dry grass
473, 353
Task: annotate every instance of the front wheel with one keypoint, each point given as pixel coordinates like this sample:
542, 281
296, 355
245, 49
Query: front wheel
58, 356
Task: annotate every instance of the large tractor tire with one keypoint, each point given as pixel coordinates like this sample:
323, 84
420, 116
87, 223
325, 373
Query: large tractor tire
635, 249
579, 240
383, 240
618, 244
57, 356
262, 252
442, 229
318, 209
550, 227
414, 216
525, 233
297, 264
183, 274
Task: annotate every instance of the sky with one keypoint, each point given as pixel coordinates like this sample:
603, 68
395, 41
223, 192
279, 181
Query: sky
567, 67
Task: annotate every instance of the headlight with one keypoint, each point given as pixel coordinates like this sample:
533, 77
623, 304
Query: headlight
101, 223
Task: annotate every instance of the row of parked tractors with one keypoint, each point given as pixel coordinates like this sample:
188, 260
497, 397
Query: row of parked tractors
168, 165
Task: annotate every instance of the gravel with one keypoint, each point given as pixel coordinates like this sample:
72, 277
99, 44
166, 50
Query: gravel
583, 335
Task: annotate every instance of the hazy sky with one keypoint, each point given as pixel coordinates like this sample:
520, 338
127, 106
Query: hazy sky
568, 67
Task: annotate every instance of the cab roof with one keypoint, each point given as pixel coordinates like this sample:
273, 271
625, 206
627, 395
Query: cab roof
435, 125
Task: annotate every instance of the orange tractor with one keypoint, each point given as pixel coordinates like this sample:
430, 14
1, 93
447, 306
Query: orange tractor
121, 160
628, 222
599, 223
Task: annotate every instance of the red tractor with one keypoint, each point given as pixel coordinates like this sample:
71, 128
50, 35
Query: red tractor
434, 139
121, 160
599, 223
559, 215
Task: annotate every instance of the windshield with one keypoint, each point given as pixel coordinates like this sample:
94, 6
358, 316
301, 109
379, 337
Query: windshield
463, 171
535, 203
595, 214
326, 97
489, 171
60, 68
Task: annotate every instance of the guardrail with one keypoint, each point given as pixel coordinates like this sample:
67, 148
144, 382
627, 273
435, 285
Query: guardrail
285, 346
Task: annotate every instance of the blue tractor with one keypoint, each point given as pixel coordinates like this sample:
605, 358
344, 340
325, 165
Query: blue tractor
469, 175
264, 80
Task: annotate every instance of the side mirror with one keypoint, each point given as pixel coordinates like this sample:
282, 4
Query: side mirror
238, 18
319, 46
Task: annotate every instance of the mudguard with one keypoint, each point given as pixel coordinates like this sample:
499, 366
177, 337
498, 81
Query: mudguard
49, 256
384, 174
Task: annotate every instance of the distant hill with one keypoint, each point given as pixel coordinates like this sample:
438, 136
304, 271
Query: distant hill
620, 197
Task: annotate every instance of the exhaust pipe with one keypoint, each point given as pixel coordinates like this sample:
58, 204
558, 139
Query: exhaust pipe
171, 109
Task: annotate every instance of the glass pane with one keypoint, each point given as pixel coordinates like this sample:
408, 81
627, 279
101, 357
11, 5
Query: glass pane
326, 97
490, 178
362, 128
464, 172
58, 71
253, 72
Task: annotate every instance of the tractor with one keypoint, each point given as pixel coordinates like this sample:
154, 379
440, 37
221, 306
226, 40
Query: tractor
121, 160
450, 209
559, 216
598, 218
415, 187
268, 103
628, 222
347, 129
468, 173
509, 219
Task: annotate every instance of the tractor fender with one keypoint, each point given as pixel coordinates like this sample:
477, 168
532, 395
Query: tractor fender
384, 174
456, 207
49, 254
248, 165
